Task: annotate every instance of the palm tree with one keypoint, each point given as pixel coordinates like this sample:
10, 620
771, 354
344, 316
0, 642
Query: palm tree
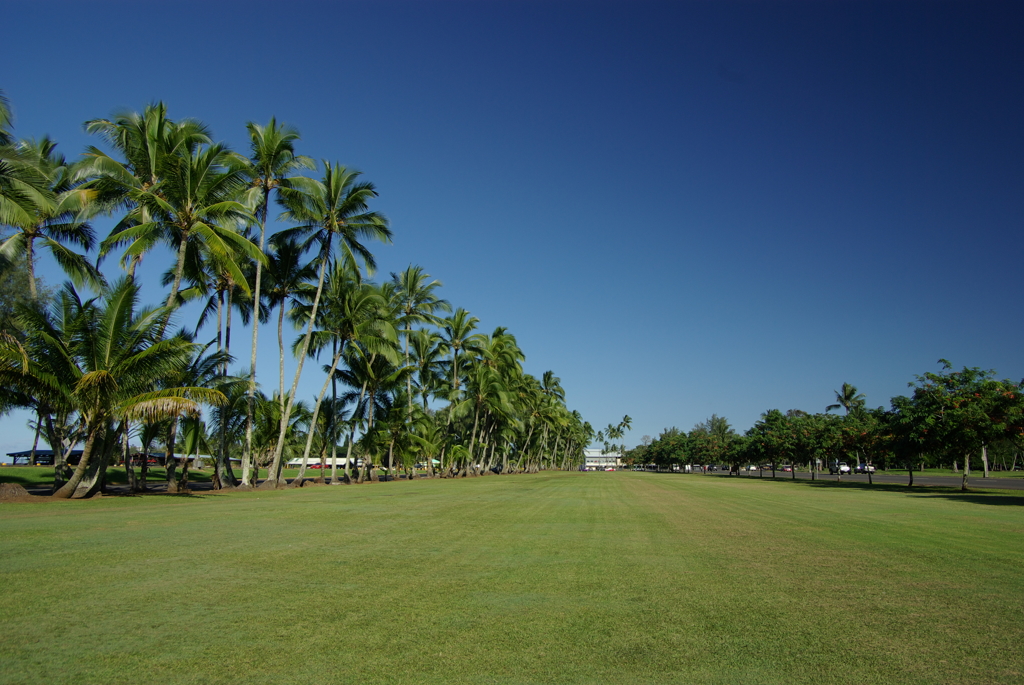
6, 120
272, 161
144, 143
848, 398
204, 370
336, 207
350, 312
378, 379
428, 357
105, 359
457, 333
287, 277
415, 303
54, 219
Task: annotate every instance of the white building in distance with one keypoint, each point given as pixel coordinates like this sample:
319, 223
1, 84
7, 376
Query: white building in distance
594, 460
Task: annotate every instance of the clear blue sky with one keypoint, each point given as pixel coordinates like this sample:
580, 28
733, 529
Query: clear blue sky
680, 208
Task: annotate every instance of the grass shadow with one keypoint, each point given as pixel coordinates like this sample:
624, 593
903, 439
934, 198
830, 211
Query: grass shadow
24, 482
974, 497
953, 493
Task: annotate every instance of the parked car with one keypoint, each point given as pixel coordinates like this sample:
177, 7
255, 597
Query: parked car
864, 468
787, 468
609, 468
840, 468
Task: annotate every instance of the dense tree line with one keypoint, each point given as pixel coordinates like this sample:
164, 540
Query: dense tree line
951, 419
407, 378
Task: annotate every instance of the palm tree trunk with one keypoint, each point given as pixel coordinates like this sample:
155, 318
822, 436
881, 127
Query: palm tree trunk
30, 261
69, 489
352, 440
280, 355
472, 439
169, 459
57, 447
274, 476
334, 462
251, 399
316, 413
178, 271
227, 325
127, 458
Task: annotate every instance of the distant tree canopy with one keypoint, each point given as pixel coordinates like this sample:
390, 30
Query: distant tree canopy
951, 416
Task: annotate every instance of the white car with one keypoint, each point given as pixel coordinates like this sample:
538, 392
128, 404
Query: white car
841, 468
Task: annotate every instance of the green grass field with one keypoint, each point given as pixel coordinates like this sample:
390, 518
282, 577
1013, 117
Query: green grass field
552, 578
42, 476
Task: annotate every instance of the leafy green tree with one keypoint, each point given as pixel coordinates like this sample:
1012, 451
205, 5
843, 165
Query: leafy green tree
957, 413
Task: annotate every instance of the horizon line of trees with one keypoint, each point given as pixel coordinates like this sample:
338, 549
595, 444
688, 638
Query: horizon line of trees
407, 378
950, 419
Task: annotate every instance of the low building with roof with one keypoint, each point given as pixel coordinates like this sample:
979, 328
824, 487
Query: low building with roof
596, 459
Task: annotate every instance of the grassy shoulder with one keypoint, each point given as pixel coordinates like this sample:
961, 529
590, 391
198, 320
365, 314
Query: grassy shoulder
551, 578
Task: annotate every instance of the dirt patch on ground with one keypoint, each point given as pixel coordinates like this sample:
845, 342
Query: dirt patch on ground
12, 491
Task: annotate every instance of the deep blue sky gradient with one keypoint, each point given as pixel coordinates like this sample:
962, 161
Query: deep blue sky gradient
680, 208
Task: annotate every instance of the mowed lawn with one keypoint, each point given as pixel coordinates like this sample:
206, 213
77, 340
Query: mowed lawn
553, 578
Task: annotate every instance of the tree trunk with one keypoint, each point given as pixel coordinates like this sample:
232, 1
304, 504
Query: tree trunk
30, 262
85, 464
69, 489
127, 457
472, 439
170, 463
274, 476
247, 454
391, 460
967, 471
334, 462
316, 413
984, 460
178, 270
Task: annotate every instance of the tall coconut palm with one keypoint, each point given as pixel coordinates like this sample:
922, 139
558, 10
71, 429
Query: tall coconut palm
457, 332
335, 208
143, 142
415, 305
58, 217
350, 312
272, 162
428, 358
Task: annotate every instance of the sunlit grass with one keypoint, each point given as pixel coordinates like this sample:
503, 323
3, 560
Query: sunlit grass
599, 577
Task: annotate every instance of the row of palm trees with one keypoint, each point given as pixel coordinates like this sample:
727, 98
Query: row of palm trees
407, 380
